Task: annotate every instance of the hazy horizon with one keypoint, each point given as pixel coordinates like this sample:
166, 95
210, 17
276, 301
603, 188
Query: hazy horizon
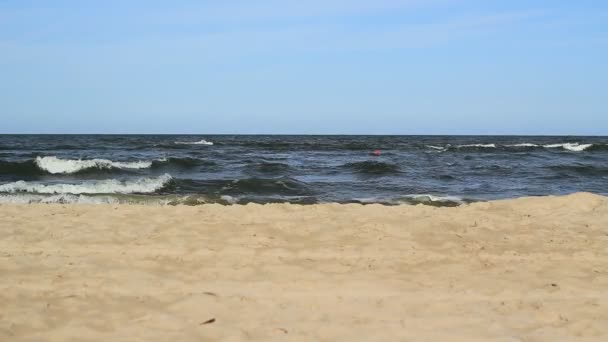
321, 67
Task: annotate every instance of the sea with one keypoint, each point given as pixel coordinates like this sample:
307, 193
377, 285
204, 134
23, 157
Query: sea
306, 169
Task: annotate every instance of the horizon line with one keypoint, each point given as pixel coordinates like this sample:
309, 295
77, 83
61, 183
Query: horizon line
324, 134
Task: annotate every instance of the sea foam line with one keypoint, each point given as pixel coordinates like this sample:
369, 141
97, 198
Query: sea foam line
433, 198
56, 165
56, 198
111, 186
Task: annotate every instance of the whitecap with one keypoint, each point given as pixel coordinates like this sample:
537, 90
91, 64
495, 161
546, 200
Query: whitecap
55, 165
576, 147
523, 145
478, 145
201, 142
111, 186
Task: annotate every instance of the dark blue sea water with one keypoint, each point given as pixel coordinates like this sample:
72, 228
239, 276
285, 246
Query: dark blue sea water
180, 169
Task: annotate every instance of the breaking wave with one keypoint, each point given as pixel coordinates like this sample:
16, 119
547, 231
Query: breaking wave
575, 147
55, 165
111, 186
523, 145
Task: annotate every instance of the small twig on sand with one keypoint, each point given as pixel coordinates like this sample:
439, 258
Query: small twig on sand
209, 321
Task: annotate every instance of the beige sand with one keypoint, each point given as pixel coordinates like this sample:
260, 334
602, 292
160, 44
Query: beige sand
532, 269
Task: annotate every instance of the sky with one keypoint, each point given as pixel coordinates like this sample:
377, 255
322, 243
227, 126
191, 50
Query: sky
304, 67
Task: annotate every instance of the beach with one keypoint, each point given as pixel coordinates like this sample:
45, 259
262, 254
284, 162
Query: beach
527, 269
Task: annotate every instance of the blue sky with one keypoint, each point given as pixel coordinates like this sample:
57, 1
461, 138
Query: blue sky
312, 67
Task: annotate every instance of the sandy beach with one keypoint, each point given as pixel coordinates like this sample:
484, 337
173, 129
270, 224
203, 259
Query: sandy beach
529, 269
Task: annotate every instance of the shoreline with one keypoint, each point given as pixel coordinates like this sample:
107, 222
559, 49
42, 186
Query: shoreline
531, 268
195, 200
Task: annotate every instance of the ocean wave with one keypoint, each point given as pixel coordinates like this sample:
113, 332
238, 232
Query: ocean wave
268, 167
523, 145
569, 146
437, 148
111, 186
477, 145
200, 142
153, 200
55, 165
372, 167
260, 186
134, 199
489, 147
254, 186
575, 147
200, 199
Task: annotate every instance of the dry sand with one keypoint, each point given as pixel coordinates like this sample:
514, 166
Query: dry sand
531, 269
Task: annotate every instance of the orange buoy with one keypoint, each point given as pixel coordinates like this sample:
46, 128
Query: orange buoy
376, 152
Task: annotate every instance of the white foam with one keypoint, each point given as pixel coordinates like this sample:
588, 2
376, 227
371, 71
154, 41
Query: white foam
576, 147
61, 198
229, 199
422, 198
81, 199
55, 165
439, 148
427, 198
201, 142
478, 145
26, 198
112, 186
523, 145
